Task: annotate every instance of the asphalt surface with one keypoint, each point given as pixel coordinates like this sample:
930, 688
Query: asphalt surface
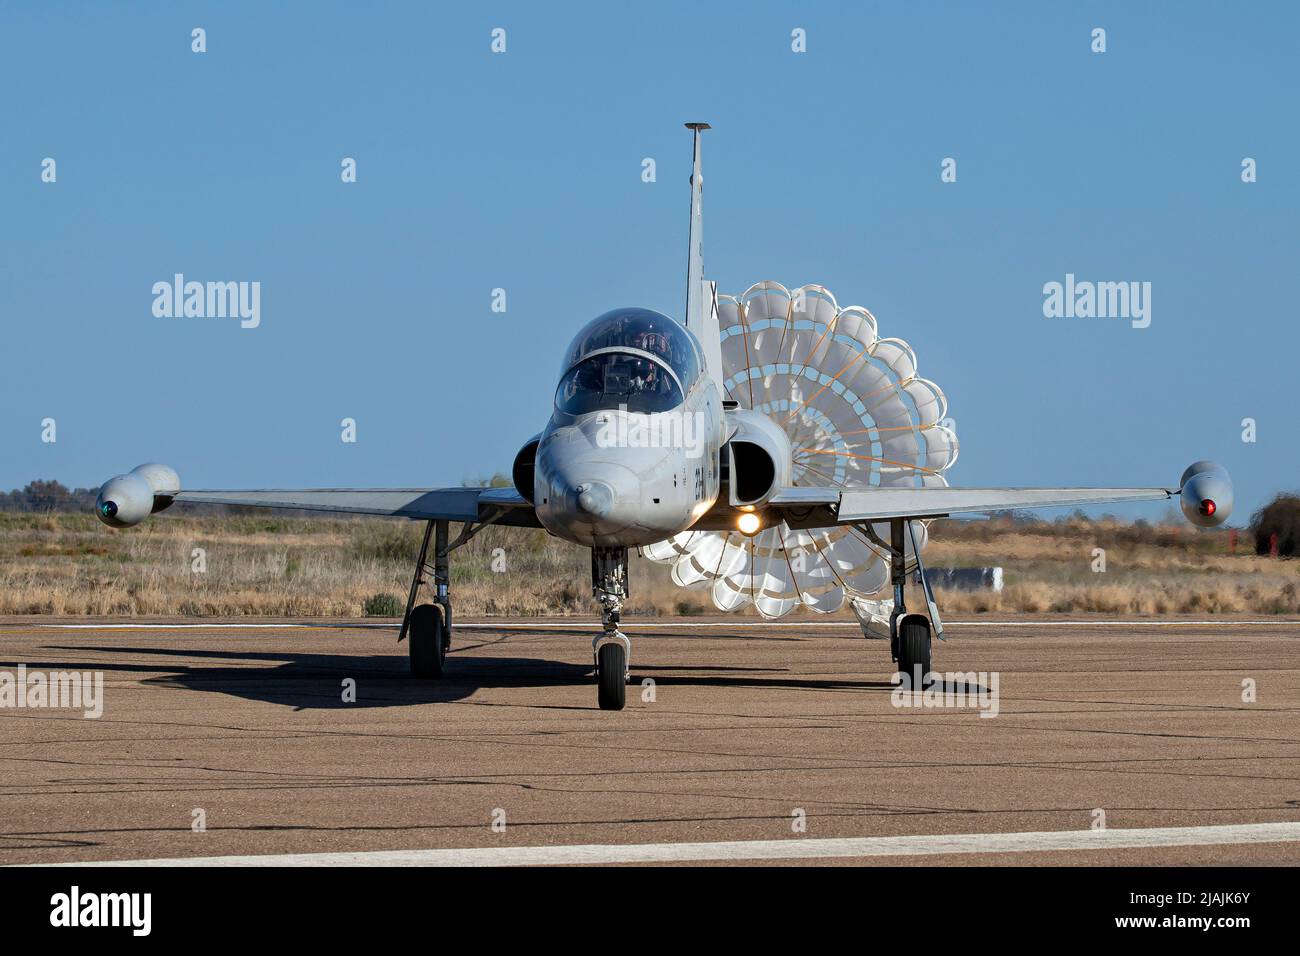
751, 731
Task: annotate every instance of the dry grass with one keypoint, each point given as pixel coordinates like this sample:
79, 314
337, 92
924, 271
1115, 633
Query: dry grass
273, 566
1150, 570
319, 567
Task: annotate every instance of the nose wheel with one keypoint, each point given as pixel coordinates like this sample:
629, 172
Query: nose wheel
611, 648
611, 676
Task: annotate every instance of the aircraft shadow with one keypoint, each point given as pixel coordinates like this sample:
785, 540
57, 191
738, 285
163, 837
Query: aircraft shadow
949, 687
313, 681
307, 681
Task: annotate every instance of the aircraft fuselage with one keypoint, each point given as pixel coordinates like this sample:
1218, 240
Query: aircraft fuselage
617, 477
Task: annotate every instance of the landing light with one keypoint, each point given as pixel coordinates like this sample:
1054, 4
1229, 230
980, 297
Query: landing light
749, 524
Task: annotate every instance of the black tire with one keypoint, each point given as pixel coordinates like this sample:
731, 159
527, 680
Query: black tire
611, 676
428, 639
914, 649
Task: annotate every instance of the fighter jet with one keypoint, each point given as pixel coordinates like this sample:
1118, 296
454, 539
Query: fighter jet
656, 442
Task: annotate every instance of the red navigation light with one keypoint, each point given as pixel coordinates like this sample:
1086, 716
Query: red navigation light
1207, 507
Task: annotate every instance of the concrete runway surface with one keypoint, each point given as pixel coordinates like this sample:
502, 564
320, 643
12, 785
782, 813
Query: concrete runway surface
753, 729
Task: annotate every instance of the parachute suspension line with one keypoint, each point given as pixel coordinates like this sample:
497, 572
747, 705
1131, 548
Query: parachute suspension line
831, 478
891, 428
871, 542
885, 461
829, 330
829, 563
785, 552
818, 394
744, 333
717, 571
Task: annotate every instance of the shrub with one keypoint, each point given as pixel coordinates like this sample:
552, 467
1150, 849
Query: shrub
382, 605
1280, 517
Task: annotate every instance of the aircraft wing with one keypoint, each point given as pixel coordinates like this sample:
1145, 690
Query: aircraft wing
821, 507
450, 504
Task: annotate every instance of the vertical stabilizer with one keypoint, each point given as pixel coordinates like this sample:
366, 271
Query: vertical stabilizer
701, 295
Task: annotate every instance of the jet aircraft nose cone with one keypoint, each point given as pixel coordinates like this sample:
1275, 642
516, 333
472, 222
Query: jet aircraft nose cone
595, 498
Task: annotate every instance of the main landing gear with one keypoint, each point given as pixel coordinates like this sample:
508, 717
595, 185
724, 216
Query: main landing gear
909, 634
429, 625
611, 647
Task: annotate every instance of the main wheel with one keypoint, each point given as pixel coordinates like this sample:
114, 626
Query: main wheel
429, 638
914, 650
611, 676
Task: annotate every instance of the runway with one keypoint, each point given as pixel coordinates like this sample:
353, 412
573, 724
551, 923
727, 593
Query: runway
1113, 743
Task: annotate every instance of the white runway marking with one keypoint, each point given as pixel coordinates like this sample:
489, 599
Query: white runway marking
791, 849
631, 625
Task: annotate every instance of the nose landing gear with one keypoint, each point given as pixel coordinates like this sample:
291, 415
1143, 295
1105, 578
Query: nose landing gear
612, 648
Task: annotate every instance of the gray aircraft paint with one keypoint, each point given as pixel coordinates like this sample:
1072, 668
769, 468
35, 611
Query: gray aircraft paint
594, 493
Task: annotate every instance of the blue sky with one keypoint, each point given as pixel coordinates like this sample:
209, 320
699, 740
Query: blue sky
522, 171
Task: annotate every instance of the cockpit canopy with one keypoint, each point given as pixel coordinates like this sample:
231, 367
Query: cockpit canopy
617, 380
635, 358
641, 330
